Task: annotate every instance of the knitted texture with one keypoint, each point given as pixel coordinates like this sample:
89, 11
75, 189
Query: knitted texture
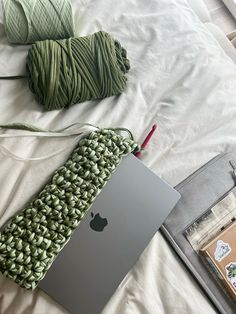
65, 72
30, 242
27, 21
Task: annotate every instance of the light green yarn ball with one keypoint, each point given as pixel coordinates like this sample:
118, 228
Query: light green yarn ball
27, 21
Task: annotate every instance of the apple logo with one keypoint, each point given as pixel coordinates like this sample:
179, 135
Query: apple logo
98, 223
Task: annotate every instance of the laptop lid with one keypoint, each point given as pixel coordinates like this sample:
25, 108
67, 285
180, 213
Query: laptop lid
110, 238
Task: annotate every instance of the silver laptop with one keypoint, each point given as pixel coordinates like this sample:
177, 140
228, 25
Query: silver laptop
110, 238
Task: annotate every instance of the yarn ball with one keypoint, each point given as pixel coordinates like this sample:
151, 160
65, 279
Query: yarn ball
27, 21
69, 71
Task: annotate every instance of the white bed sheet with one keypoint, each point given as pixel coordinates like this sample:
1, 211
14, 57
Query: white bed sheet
179, 78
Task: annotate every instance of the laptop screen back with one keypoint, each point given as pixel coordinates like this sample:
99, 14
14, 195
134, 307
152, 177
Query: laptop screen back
110, 238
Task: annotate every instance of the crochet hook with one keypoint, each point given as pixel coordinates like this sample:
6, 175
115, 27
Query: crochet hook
146, 141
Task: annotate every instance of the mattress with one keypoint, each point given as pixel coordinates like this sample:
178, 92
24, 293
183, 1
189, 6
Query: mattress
181, 79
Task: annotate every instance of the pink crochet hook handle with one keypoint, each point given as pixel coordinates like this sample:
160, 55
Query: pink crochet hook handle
146, 141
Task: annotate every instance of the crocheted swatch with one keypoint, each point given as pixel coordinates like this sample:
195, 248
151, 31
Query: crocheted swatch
31, 241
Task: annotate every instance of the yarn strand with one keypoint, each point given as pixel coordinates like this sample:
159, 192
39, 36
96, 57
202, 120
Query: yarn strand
76, 130
13, 77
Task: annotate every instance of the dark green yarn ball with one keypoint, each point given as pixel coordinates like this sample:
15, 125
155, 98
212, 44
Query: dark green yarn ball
69, 71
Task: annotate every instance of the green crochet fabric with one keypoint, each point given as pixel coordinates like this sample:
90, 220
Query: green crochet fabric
31, 241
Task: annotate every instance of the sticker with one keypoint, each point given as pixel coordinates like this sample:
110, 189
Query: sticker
222, 250
231, 273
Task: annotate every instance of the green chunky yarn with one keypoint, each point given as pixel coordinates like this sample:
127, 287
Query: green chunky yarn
27, 21
65, 72
30, 242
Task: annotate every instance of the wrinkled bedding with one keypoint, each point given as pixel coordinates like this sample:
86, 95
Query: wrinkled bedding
180, 79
